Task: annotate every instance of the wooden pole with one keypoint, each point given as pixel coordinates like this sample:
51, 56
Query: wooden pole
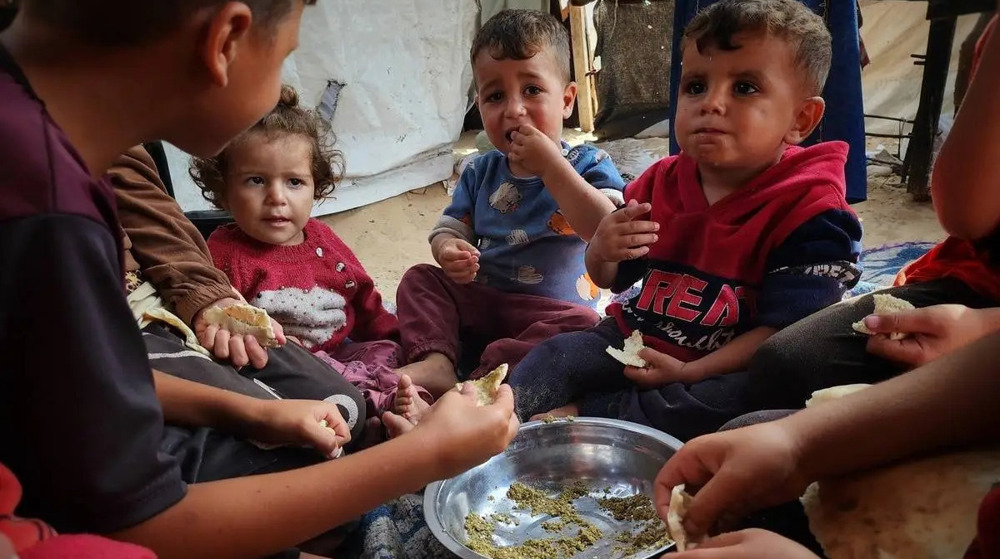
586, 96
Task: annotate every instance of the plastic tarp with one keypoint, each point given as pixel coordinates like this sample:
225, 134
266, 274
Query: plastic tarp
892, 31
403, 67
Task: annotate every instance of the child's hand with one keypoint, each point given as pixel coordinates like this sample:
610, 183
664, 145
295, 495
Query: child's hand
463, 435
738, 471
933, 331
534, 151
238, 350
459, 260
620, 236
297, 422
748, 544
660, 370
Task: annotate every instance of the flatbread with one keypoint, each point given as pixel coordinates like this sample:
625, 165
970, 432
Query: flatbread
679, 501
885, 304
243, 319
833, 393
488, 386
629, 354
920, 509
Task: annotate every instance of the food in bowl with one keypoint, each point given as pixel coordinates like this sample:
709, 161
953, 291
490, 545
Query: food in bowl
573, 533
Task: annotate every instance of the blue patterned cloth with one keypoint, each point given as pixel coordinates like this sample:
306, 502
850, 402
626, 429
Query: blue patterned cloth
883, 263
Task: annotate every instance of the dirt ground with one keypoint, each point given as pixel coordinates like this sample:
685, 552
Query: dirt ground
390, 236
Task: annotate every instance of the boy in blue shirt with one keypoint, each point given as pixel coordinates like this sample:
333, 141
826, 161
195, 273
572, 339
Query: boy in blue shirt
510, 246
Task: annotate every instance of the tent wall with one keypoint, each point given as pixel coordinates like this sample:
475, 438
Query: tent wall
404, 66
892, 31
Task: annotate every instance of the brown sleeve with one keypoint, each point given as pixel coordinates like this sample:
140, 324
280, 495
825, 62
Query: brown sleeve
169, 249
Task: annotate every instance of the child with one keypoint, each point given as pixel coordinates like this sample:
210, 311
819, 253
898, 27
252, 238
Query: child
955, 286
511, 243
294, 266
746, 233
949, 403
81, 412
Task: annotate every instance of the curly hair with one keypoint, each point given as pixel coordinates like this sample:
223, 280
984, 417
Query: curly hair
800, 27
287, 117
521, 34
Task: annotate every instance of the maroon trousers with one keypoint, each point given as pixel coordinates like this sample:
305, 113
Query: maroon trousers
439, 315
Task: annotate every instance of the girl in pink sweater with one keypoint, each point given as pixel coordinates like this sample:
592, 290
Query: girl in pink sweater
295, 267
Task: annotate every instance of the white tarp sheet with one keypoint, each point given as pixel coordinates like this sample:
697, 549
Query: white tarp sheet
404, 66
892, 31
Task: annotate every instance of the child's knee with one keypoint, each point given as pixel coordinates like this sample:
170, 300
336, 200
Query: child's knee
420, 273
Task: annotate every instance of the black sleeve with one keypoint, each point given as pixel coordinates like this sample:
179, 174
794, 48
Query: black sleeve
629, 272
80, 424
811, 269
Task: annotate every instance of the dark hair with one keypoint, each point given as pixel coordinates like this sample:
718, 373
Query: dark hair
209, 173
789, 20
521, 34
129, 22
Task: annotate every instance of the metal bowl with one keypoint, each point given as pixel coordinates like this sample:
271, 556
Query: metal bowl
611, 457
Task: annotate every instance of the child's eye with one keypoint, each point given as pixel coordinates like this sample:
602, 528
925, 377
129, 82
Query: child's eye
745, 88
256, 181
296, 183
695, 87
533, 90
494, 97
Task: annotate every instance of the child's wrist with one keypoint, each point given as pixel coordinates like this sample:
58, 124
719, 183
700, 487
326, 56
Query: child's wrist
556, 170
248, 415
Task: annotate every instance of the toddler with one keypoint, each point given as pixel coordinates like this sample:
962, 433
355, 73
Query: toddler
740, 235
295, 267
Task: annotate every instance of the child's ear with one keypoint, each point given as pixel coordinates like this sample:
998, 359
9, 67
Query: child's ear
810, 113
228, 30
569, 97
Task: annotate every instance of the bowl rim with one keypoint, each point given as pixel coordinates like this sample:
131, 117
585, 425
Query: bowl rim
434, 489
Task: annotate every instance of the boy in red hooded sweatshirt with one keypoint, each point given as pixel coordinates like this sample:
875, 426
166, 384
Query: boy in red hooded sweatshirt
740, 235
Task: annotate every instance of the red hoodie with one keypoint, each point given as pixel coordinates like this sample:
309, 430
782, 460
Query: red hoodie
775, 251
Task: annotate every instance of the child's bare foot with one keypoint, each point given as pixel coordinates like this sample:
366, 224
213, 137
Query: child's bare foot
565, 411
396, 425
435, 372
408, 403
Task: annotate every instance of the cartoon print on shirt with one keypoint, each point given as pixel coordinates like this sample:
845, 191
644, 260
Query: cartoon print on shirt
518, 237
573, 155
311, 316
558, 224
528, 275
506, 198
586, 288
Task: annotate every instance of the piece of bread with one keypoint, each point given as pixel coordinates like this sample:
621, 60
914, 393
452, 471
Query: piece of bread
885, 304
488, 386
679, 501
916, 509
629, 354
833, 393
243, 319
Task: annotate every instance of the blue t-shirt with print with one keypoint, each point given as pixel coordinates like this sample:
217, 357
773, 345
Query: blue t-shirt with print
526, 244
